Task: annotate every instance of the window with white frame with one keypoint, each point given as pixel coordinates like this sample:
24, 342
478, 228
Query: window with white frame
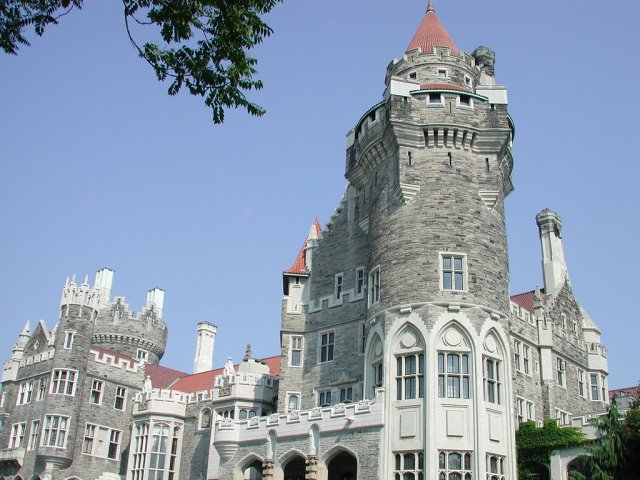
33, 435
526, 358
492, 380
55, 431
517, 354
16, 437
120, 401
69, 336
43, 383
158, 459
140, 442
293, 401
454, 465
25, 391
338, 285
495, 467
564, 418
453, 375
97, 387
324, 398
442, 72
142, 355
378, 376
410, 376
327, 340
63, 382
295, 353
453, 274
409, 466
101, 441
603, 388
374, 286
561, 371
525, 410
359, 287
582, 388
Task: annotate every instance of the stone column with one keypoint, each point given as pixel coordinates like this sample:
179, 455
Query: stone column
267, 469
312, 467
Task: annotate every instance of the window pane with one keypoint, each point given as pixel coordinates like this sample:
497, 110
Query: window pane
453, 363
420, 387
446, 262
446, 280
455, 462
465, 364
410, 388
453, 387
410, 365
409, 461
465, 387
457, 263
458, 278
442, 460
420, 363
441, 362
399, 366
441, 386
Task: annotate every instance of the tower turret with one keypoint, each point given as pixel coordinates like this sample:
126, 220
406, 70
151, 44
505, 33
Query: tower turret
554, 267
204, 347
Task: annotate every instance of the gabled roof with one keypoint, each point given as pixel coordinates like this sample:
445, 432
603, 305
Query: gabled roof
628, 391
431, 33
525, 300
299, 266
204, 380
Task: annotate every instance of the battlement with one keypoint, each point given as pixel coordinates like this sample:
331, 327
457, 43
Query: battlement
115, 360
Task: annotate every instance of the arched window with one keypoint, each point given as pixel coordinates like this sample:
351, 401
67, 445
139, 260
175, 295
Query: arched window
454, 465
294, 401
205, 418
409, 365
376, 375
409, 466
492, 370
243, 414
454, 364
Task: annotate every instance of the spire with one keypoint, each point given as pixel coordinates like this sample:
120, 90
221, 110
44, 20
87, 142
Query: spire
26, 330
432, 33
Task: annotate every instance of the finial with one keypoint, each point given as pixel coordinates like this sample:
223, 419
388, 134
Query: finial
86, 279
26, 329
430, 7
66, 284
73, 279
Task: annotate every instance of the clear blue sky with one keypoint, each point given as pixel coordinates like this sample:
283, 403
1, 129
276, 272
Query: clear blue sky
101, 168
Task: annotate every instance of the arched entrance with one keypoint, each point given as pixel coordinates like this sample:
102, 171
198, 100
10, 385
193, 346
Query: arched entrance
577, 468
343, 466
295, 468
540, 472
253, 471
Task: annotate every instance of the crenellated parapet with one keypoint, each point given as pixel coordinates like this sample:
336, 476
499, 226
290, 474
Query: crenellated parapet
142, 335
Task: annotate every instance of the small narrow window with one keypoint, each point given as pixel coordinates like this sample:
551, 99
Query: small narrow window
337, 292
296, 351
435, 98
68, 339
327, 346
360, 281
442, 73
413, 75
453, 272
449, 154
142, 355
293, 402
97, 387
486, 165
374, 286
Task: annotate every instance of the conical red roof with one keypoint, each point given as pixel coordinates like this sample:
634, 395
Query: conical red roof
432, 33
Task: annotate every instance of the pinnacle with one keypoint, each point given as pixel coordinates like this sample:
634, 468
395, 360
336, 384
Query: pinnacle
430, 7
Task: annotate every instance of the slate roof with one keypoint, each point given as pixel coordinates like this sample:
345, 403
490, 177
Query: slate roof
163, 377
525, 300
431, 33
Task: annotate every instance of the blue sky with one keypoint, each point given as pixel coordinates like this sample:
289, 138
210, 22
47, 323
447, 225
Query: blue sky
99, 167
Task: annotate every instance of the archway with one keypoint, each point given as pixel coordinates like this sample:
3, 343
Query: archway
343, 466
540, 472
253, 471
295, 468
578, 469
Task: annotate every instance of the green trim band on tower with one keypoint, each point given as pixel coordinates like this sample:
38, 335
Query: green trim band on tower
366, 114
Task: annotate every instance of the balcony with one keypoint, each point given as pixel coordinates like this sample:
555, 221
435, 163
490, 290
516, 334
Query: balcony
12, 457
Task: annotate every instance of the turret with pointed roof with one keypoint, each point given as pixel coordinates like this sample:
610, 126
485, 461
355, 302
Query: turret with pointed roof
431, 33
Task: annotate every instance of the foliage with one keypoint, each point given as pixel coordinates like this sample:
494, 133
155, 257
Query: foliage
205, 42
535, 445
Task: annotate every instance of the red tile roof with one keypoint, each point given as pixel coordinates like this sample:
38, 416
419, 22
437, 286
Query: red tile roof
525, 300
444, 86
431, 33
300, 264
204, 380
630, 391
163, 377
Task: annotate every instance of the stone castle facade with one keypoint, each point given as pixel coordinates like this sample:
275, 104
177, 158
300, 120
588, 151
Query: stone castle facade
402, 354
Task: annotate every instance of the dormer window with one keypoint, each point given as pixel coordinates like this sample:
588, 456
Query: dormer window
442, 73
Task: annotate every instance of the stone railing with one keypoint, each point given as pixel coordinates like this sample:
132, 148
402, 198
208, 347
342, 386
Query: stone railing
12, 455
41, 357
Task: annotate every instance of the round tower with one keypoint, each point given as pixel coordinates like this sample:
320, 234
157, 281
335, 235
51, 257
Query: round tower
141, 335
78, 310
432, 166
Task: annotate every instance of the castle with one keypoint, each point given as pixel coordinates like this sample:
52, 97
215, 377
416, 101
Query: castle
402, 354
